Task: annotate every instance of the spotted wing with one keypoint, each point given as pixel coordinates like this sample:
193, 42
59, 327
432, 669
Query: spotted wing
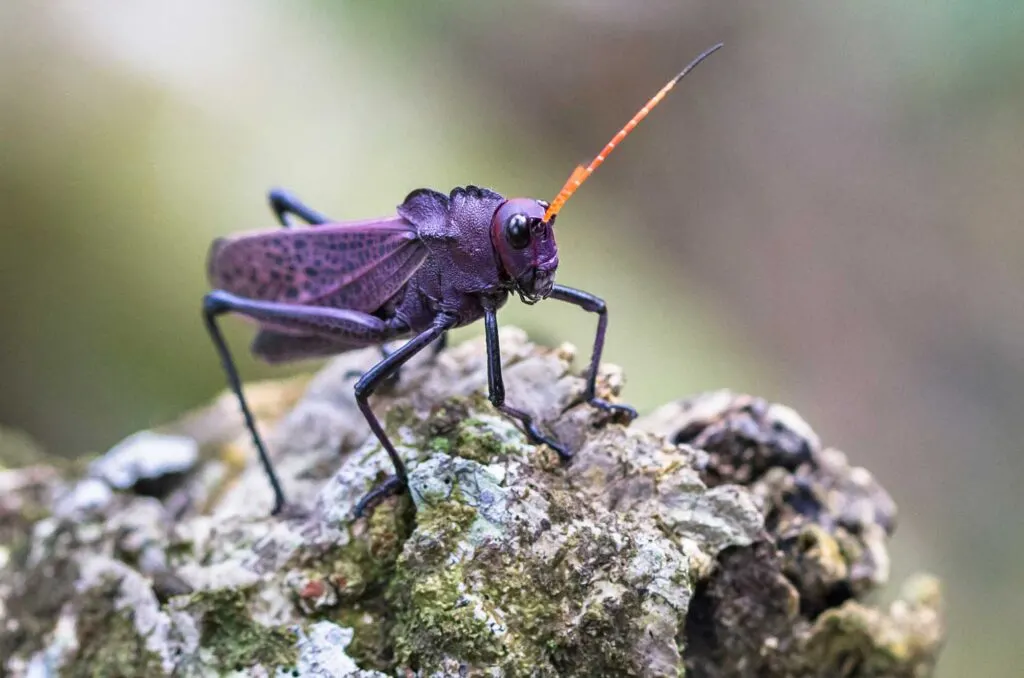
354, 265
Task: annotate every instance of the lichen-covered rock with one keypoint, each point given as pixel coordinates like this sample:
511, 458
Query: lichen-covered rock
788, 605
146, 462
714, 537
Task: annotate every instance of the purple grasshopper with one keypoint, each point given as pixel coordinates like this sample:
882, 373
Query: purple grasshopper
441, 262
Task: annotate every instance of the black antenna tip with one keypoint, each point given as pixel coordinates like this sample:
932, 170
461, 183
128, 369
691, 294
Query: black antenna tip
701, 57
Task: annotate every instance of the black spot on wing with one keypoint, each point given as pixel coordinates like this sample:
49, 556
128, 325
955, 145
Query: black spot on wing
306, 264
375, 285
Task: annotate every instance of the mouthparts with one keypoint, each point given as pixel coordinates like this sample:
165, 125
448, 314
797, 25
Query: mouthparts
536, 285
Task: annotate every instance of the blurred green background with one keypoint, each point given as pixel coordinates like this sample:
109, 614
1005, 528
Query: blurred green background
826, 213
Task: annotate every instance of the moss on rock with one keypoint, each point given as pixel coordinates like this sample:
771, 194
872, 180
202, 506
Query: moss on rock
109, 643
34, 600
371, 625
487, 580
435, 620
235, 640
366, 563
854, 640
471, 428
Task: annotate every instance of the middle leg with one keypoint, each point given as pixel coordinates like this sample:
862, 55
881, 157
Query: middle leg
368, 383
496, 387
439, 345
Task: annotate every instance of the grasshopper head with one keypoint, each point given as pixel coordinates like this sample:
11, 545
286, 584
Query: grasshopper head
525, 245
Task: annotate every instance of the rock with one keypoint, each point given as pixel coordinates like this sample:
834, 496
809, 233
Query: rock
87, 496
715, 536
322, 653
18, 449
144, 459
772, 607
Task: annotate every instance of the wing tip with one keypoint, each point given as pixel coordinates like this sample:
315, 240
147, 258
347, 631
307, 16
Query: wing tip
216, 247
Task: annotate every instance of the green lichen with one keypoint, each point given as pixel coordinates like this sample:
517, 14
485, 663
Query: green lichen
235, 640
440, 445
852, 640
365, 569
358, 572
430, 620
610, 620
446, 417
477, 440
371, 625
399, 416
504, 609
108, 642
362, 567
180, 551
470, 427
434, 622
445, 610
15, 539
532, 599
442, 525
16, 526
388, 526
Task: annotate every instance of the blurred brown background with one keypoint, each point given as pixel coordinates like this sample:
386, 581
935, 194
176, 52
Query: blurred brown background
826, 213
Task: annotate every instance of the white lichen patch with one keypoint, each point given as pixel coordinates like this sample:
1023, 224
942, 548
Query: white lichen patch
322, 653
143, 455
135, 599
63, 643
89, 496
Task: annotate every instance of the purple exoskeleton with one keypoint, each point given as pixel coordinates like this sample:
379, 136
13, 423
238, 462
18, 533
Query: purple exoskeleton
443, 261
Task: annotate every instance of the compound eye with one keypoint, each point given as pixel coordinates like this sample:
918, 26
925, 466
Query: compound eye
517, 231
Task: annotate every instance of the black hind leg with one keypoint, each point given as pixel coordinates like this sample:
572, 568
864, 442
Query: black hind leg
211, 310
342, 327
284, 203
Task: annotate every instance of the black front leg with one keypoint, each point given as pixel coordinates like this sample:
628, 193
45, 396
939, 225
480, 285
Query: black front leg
369, 382
385, 352
588, 302
439, 345
284, 203
496, 387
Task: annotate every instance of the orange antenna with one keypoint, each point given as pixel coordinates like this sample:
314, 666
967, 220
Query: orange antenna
580, 174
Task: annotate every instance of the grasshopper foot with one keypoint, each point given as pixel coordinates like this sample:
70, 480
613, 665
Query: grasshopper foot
615, 409
533, 432
289, 511
391, 486
538, 438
